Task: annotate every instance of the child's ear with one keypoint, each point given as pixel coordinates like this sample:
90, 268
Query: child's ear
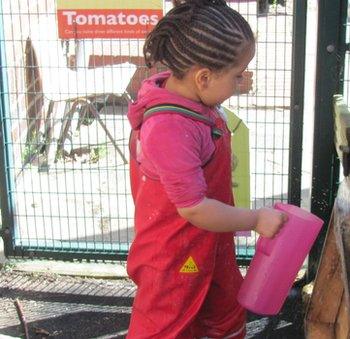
202, 78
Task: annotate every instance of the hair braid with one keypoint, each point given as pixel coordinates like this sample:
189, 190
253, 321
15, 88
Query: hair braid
198, 32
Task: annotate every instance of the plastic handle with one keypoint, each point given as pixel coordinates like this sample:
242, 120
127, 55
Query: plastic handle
265, 245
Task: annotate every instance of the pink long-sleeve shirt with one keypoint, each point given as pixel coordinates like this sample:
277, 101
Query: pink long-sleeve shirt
173, 148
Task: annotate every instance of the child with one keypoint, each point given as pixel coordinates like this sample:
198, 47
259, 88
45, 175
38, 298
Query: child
182, 258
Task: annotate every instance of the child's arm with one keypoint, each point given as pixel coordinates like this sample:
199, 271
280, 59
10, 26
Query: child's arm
213, 215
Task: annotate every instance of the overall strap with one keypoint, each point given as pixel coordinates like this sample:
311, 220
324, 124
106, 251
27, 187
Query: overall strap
169, 108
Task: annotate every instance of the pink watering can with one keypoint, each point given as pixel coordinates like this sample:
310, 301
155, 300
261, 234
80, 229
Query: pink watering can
277, 261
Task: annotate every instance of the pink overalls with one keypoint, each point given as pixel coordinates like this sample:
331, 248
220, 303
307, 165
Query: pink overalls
187, 278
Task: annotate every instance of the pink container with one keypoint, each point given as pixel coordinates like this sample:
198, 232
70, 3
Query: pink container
277, 261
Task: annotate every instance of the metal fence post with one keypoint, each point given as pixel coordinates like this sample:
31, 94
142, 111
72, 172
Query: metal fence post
5, 159
297, 102
325, 168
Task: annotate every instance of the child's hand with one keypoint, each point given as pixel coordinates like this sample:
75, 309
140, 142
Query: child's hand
270, 222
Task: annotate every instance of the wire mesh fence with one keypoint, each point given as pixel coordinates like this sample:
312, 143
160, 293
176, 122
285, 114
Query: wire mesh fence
266, 110
68, 131
346, 73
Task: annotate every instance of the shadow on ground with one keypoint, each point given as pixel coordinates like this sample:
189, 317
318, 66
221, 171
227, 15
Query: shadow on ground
288, 324
75, 325
67, 307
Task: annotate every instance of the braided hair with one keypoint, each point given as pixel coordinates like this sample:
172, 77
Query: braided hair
198, 32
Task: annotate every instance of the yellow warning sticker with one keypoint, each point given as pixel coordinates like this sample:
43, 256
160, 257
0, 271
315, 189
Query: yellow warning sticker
189, 266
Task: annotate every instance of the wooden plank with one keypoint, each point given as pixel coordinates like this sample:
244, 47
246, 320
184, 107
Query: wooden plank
341, 123
328, 311
328, 287
342, 328
320, 330
34, 92
342, 230
342, 132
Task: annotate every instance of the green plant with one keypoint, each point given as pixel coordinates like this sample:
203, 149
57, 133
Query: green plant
8, 266
97, 153
31, 148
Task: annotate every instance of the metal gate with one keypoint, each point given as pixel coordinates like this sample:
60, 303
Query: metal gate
64, 175
332, 77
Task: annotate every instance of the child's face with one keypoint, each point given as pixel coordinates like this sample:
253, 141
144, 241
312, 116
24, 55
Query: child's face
222, 85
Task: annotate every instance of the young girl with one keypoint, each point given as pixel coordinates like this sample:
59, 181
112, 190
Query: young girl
182, 258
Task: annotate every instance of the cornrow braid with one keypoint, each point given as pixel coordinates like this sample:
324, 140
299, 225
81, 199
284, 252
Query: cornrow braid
198, 32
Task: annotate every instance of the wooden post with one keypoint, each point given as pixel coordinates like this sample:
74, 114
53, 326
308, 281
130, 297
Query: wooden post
328, 314
34, 92
327, 292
